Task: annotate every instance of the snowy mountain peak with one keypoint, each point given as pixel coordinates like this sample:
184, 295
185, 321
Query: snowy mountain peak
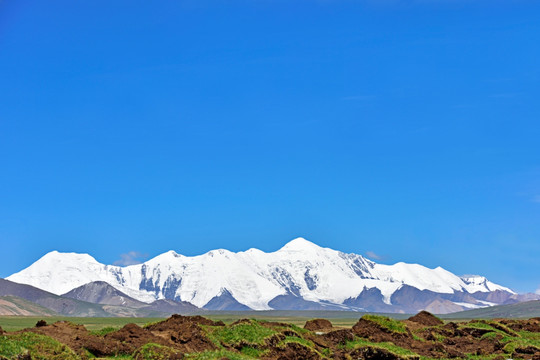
301, 272
300, 244
67, 257
219, 252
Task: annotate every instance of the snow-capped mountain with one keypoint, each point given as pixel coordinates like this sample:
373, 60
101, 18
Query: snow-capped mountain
299, 275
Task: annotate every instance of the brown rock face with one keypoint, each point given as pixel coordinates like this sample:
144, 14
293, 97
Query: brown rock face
426, 318
317, 324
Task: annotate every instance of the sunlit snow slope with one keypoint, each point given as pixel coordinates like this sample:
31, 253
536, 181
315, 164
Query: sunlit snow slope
299, 270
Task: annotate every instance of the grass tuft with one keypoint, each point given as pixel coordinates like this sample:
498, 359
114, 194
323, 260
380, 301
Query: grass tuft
387, 323
104, 331
359, 342
153, 351
249, 333
39, 347
218, 355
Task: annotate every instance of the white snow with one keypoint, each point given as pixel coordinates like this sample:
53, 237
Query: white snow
253, 277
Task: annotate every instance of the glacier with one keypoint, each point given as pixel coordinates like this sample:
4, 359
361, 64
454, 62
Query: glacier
254, 278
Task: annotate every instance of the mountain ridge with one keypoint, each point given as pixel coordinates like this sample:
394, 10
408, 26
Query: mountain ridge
300, 270
90, 300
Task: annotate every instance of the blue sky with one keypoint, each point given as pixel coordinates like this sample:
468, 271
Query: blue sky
407, 130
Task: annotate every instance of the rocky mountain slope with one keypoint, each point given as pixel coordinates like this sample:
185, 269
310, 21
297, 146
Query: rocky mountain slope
99, 292
526, 309
300, 275
16, 306
22, 299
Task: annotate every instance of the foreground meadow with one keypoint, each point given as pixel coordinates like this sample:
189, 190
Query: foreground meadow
422, 336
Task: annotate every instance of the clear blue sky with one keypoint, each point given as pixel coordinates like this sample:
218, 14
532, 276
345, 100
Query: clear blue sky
407, 129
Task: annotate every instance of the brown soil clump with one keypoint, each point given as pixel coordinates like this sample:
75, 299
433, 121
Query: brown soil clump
80, 340
1, 331
456, 344
294, 351
133, 336
177, 321
371, 330
41, 323
532, 325
426, 318
318, 325
184, 333
339, 337
373, 353
273, 340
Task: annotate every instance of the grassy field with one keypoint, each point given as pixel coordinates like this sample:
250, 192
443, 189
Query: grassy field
338, 318
13, 323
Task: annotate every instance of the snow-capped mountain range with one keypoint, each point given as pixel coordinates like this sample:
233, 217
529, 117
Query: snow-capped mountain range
300, 275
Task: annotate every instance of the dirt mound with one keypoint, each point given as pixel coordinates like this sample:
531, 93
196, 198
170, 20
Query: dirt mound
80, 340
190, 338
178, 321
275, 339
1, 331
430, 347
373, 353
274, 324
184, 333
371, 330
133, 336
181, 333
339, 337
318, 324
426, 318
294, 351
532, 325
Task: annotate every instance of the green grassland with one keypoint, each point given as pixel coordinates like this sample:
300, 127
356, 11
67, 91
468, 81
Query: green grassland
14, 323
35, 345
257, 338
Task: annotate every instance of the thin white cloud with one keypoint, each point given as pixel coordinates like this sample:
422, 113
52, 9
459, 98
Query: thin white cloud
372, 255
536, 199
537, 291
130, 258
